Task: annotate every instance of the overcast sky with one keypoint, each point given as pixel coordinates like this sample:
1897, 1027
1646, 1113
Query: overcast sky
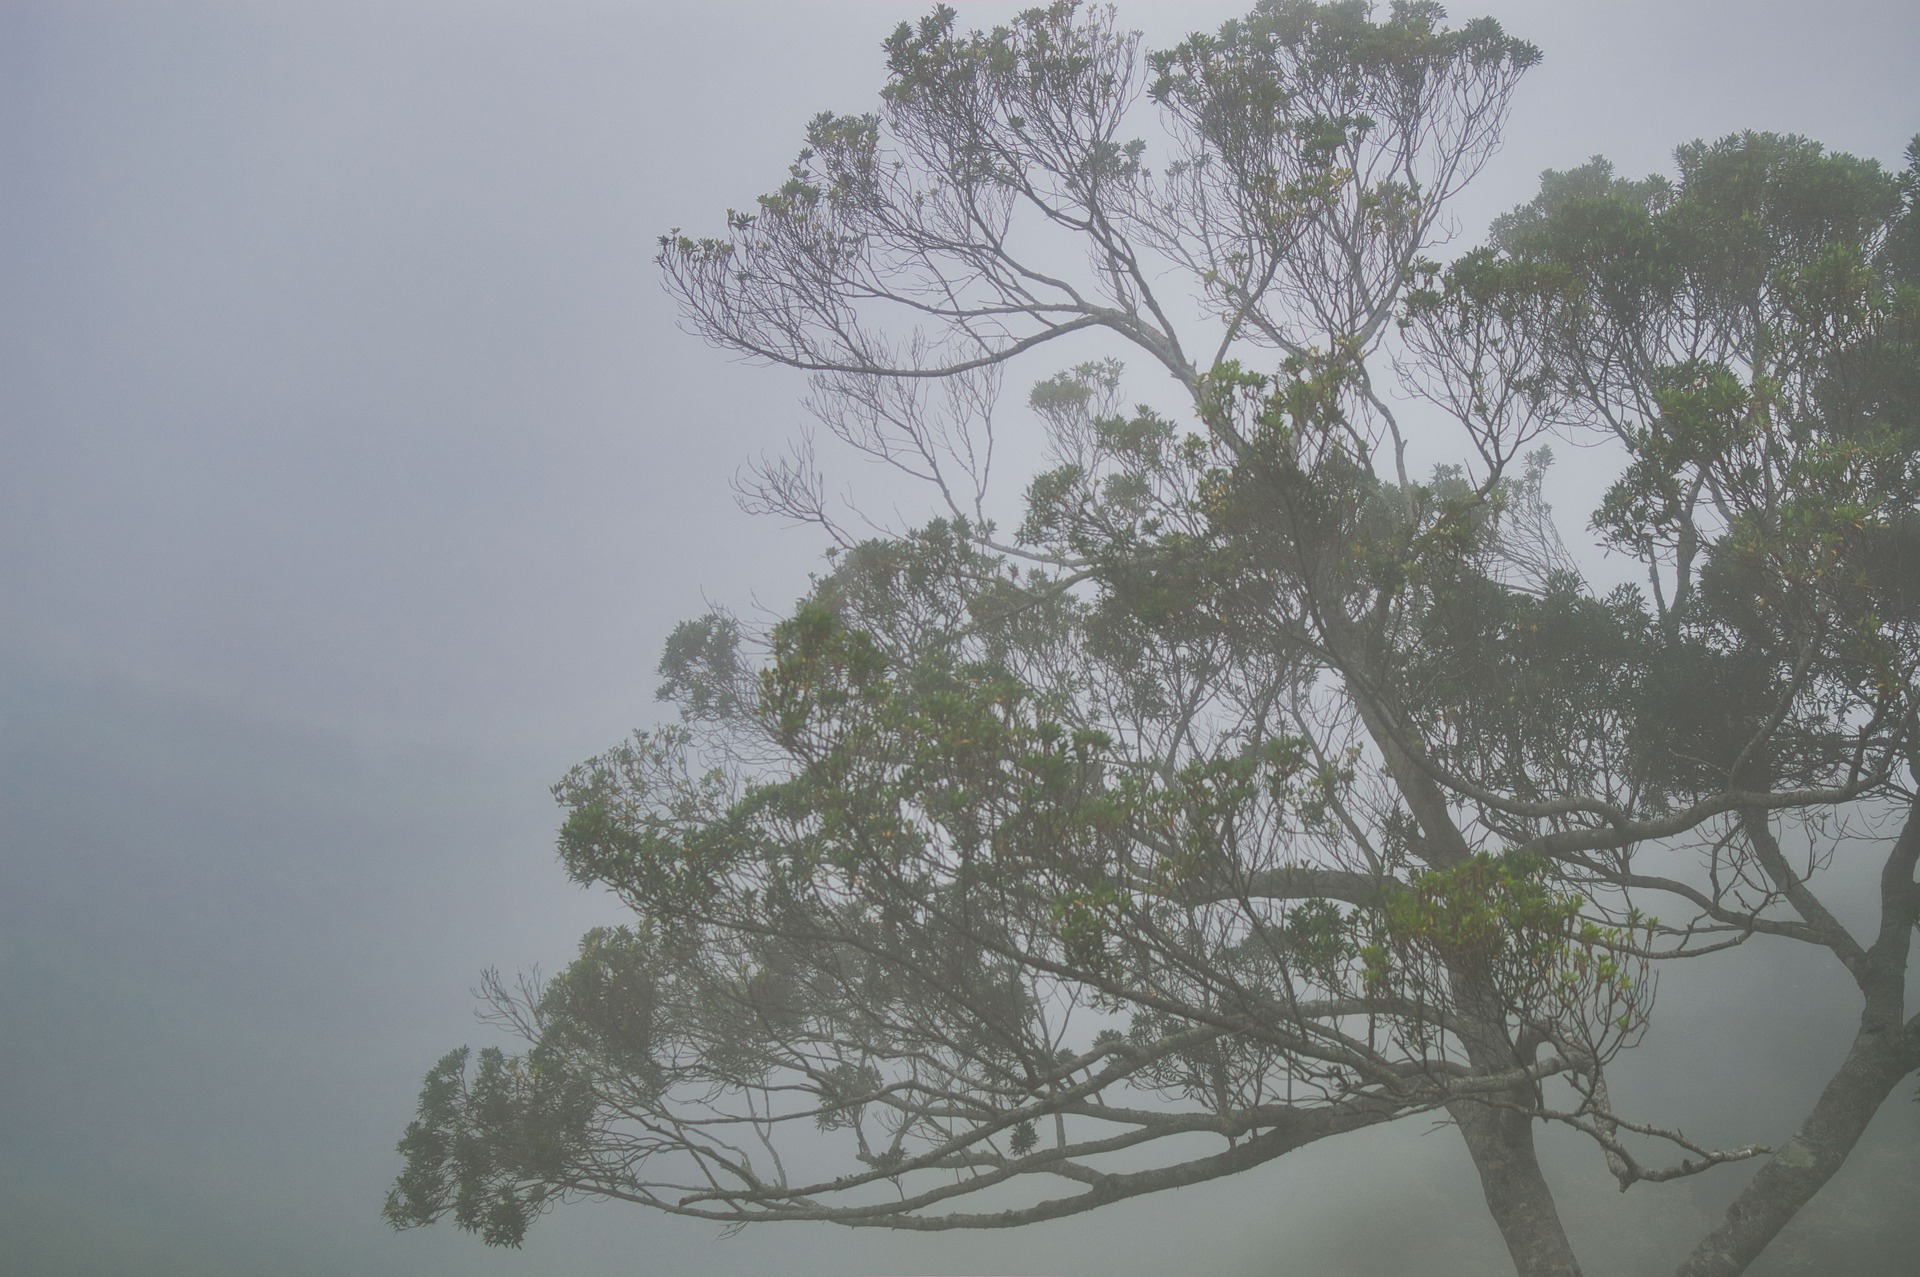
352, 470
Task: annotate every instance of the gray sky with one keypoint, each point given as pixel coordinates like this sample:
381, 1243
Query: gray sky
352, 470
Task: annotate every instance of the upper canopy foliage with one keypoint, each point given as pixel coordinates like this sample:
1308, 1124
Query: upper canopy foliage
1252, 790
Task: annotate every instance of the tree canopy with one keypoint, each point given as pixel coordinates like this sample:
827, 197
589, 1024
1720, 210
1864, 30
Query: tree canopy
1243, 788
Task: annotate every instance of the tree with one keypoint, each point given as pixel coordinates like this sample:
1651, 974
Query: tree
1749, 336
1249, 791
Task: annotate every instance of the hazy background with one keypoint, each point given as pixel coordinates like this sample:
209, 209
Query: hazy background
352, 470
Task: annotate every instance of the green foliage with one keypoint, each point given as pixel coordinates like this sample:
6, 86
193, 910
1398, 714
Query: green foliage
1326, 790
494, 1150
1770, 482
1507, 917
1246, 71
702, 668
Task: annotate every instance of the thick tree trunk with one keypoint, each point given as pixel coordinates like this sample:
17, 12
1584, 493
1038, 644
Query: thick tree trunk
1499, 1136
1501, 1142
1879, 1059
1884, 1051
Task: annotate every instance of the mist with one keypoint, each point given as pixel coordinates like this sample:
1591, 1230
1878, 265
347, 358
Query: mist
354, 468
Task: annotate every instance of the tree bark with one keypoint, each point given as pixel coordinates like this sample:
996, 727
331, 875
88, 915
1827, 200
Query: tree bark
1880, 1057
1499, 1136
1884, 1051
1501, 1142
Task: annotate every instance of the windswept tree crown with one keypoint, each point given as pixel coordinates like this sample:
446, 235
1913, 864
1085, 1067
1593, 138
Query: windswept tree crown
1251, 790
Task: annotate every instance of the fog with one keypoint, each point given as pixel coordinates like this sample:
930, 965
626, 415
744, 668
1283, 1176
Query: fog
353, 469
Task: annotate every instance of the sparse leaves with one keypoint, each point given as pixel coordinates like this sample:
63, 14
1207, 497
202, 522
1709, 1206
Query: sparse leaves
1256, 789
